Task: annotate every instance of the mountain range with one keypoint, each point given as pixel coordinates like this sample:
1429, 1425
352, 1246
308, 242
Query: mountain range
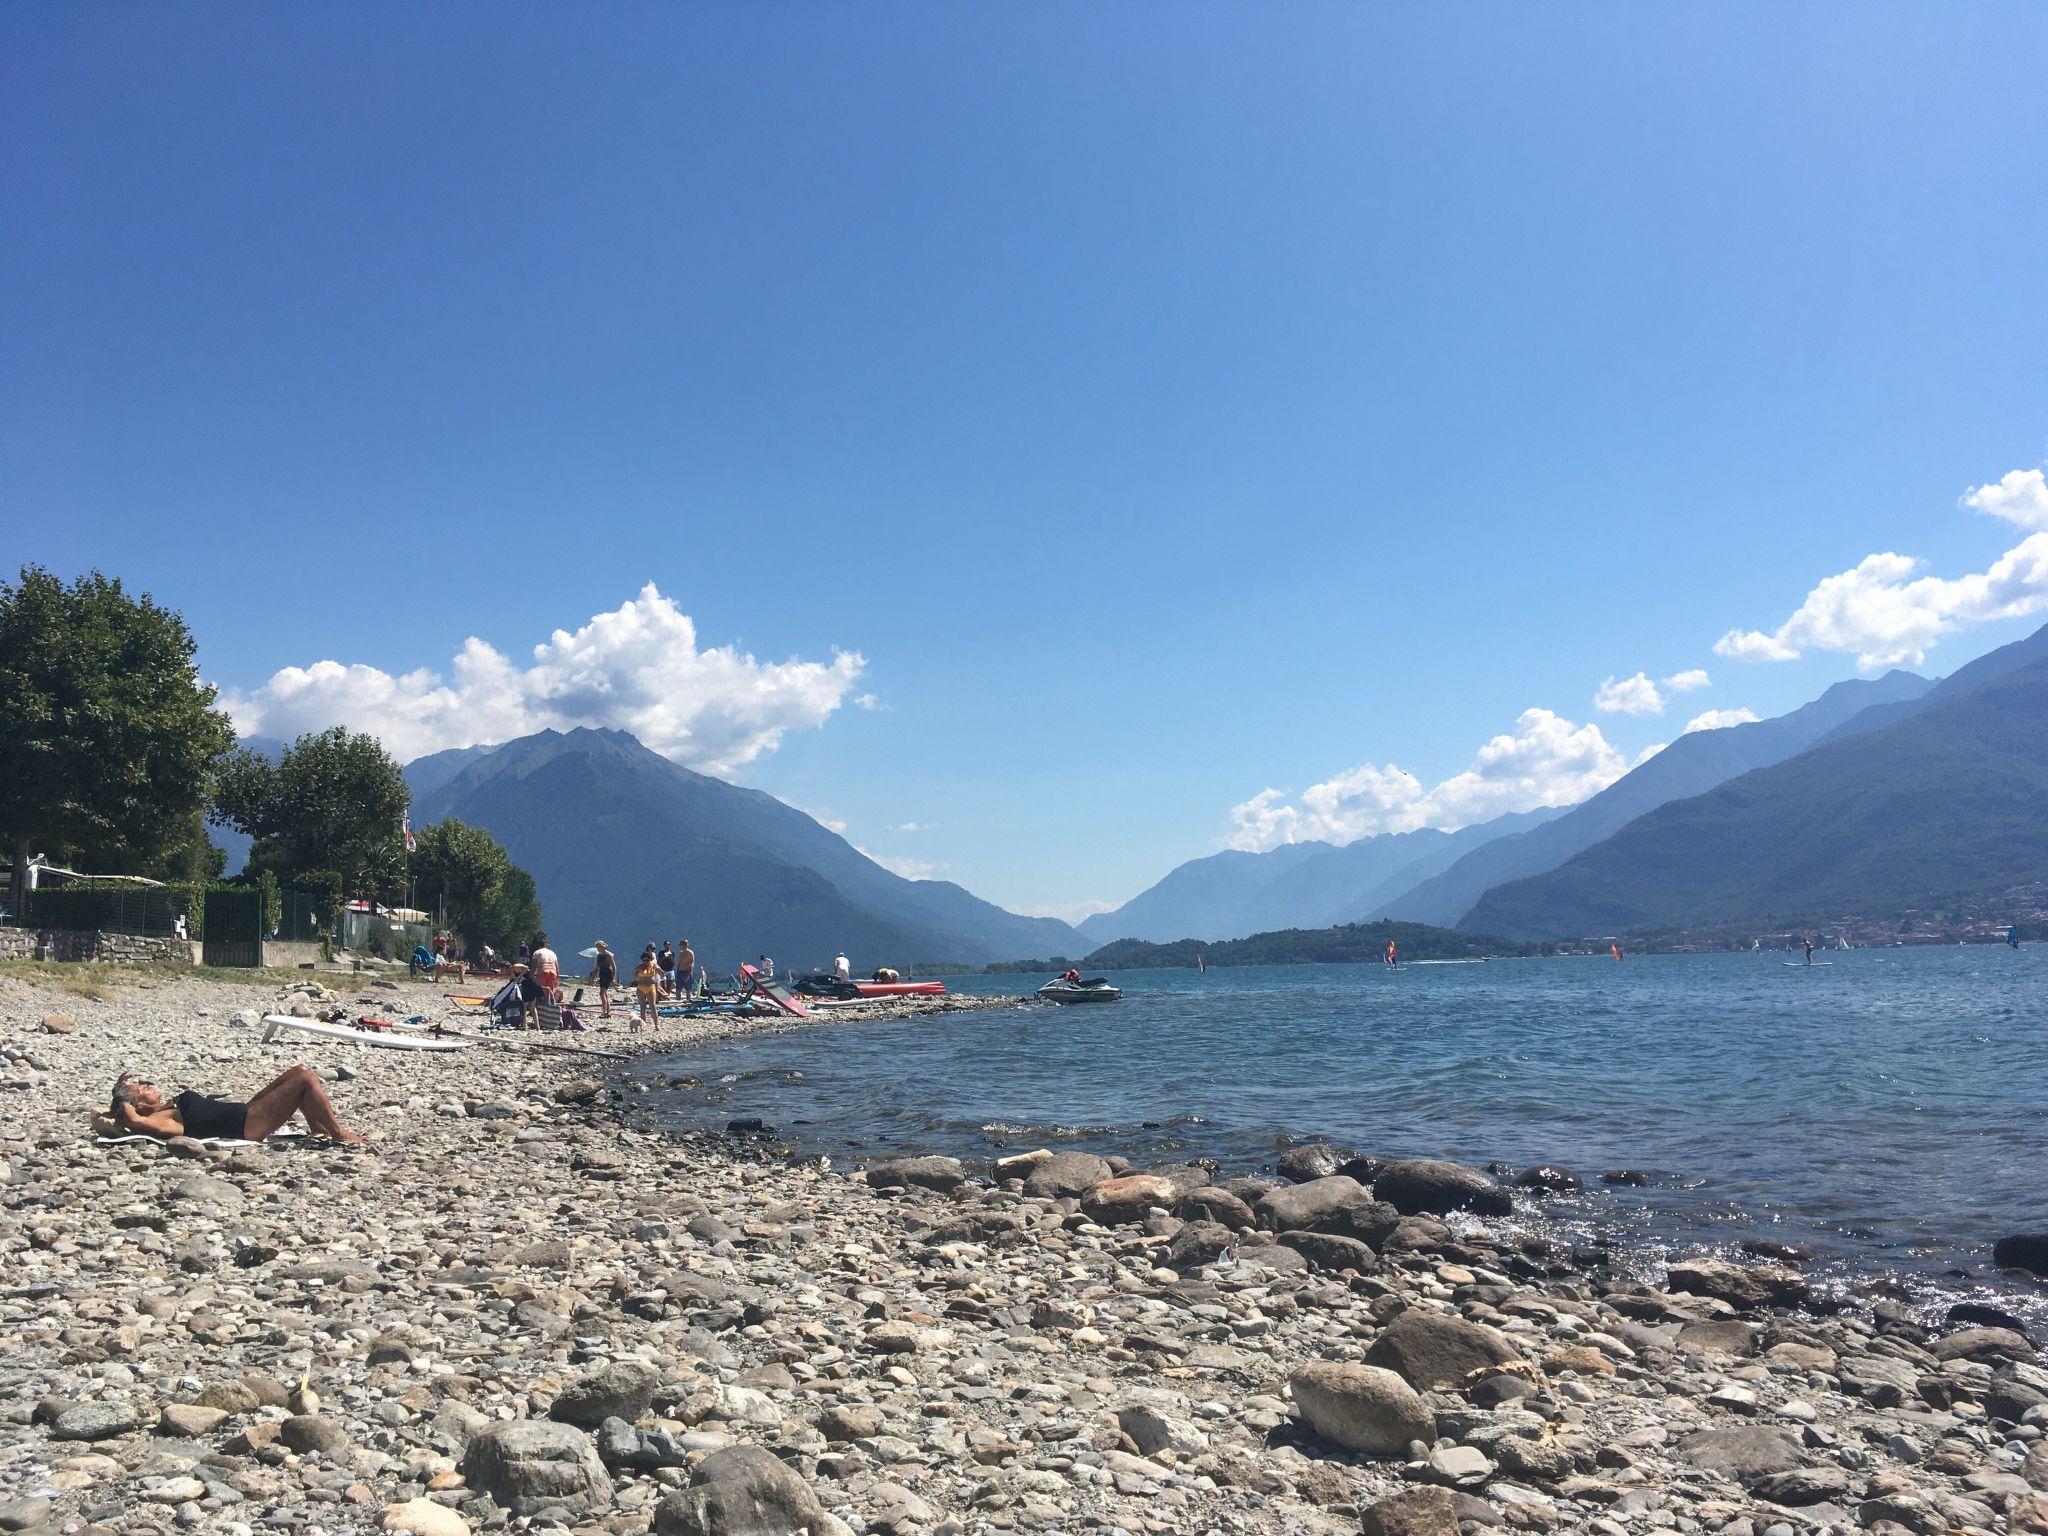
1691, 765
1639, 856
630, 847
1939, 803
1232, 894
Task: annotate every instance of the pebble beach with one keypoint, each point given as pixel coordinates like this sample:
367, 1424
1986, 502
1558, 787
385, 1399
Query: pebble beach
525, 1306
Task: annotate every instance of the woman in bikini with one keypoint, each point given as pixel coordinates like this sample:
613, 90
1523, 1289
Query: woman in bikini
141, 1107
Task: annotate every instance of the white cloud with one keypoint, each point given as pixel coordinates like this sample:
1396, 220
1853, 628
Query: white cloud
909, 869
1629, 696
1887, 615
912, 826
1715, 719
1544, 760
1884, 615
1686, 682
636, 668
1070, 911
2021, 498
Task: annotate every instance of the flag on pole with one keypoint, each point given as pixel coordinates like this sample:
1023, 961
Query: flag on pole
405, 826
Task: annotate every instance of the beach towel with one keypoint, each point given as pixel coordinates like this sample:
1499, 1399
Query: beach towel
232, 1143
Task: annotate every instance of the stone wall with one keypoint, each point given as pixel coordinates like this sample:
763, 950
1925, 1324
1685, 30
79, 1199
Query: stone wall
108, 948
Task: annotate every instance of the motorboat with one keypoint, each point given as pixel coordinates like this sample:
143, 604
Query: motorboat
1095, 990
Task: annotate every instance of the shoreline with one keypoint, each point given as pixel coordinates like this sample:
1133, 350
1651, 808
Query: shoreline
1609, 1239
937, 1357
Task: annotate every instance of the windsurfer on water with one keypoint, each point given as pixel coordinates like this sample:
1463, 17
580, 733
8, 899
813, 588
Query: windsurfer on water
1393, 954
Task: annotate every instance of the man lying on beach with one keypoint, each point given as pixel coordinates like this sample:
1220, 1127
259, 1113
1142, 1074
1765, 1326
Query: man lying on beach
140, 1107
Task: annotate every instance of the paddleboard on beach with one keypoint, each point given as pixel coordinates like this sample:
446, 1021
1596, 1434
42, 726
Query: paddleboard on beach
775, 994
389, 1040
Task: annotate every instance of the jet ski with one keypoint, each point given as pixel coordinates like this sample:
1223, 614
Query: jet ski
1095, 990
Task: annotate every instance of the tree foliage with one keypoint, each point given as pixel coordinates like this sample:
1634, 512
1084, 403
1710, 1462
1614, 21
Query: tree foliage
111, 738
463, 871
334, 800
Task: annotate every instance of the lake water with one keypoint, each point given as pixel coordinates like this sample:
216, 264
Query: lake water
1886, 1108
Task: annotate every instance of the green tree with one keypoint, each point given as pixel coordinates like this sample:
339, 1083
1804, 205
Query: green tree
111, 738
332, 801
485, 897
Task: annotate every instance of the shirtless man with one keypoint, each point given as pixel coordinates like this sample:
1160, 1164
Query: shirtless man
141, 1107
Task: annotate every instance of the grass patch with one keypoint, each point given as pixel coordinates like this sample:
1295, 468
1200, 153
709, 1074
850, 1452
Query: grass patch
102, 983
96, 982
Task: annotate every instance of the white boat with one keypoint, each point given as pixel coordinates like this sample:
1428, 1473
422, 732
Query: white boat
394, 1039
1096, 990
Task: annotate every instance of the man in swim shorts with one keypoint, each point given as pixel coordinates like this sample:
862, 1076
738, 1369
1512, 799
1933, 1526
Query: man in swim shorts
141, 1107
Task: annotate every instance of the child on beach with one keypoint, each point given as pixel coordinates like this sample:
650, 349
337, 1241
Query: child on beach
646, 978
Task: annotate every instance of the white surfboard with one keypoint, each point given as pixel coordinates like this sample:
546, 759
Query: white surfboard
382, 1039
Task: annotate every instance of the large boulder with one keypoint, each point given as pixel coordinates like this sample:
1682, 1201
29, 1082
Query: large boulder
1302, 1207
1185, 1178
1372, 1222
1744, 1452
1745, 1287
1424, 1186
2023, 1250
1412, 1512
1128, 1198
1362, 1407
1199, 1243
530, 1465
1064, 1174
1318, 1160
1433, 1350
101, 1420
941, 1173
618, 1389
741, 1491
1327, 1251
1984, 1344
1215, 1205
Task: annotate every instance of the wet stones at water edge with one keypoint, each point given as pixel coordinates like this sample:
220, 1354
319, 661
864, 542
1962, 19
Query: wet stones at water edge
1419, 1186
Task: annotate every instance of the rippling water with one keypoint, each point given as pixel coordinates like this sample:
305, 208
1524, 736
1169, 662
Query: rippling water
1886, 1108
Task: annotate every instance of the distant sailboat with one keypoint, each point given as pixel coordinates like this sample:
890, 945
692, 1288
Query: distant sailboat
1841, 941
1201, 965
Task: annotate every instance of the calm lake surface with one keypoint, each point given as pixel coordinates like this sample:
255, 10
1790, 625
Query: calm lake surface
1886, 1108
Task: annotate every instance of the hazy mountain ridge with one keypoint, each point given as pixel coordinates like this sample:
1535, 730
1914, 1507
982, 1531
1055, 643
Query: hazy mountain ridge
1947, 805
1691, 765
1306, 885
628, 846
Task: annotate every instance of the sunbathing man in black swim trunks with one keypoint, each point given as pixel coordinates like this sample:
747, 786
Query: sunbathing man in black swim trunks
140, 1107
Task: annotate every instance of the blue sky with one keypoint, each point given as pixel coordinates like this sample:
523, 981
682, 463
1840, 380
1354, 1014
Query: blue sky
1162, 405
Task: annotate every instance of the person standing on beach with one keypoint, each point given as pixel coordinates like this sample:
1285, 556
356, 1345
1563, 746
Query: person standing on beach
605, 973
842, 968
686, 970
646, 978
547, 977
665, 962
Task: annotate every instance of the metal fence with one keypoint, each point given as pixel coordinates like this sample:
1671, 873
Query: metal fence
378, 933
301, 919
152, 911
